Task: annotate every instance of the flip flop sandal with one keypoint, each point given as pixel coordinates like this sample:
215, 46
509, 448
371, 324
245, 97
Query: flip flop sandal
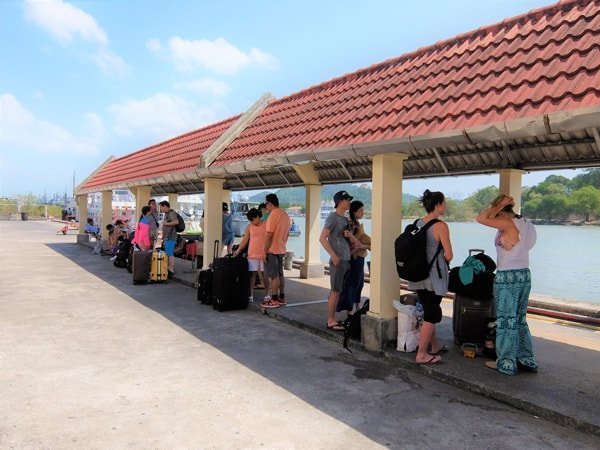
442, 351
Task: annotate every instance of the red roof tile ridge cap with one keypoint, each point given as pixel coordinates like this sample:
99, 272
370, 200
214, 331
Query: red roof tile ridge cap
174, 138
535, 13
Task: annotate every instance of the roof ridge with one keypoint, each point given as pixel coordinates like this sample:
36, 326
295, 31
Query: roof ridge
534, 13
159, 144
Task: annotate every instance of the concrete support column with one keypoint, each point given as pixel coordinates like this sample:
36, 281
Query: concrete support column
106, 212
83, 212
380, 326
82, 209
226, 198
213, 219
312, 267
173, 200
510, 184
142, 196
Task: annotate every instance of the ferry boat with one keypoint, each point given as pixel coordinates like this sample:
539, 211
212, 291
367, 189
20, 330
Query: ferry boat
123, 207
239, 208
326, 209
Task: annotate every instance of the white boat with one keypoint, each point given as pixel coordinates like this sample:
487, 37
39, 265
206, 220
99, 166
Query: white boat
326, 209
239, 220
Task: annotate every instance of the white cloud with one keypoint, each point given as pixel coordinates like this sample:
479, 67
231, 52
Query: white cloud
109, 63
21, 131
67, 22
160, 116
206, 86
64, 20
218, 55
154, 45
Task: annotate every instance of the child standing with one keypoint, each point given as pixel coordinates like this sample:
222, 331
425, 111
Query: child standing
254, 238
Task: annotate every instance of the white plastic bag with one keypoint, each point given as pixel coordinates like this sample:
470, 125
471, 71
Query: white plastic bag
408, 326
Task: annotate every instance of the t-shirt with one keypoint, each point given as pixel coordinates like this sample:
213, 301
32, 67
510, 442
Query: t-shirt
169, 233
336, 225
278, 223
256, 247
518, 256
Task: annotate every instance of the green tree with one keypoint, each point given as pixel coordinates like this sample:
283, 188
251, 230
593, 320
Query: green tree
482, 198
531, 207
554, 206
591, 177
586, 201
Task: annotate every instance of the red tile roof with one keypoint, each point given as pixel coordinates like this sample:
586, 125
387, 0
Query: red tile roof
544, 61
178, 155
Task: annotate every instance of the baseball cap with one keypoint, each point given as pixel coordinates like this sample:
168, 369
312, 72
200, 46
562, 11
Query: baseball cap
341, 195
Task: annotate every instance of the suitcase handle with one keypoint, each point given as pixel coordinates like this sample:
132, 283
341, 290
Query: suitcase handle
216, 249
475, 250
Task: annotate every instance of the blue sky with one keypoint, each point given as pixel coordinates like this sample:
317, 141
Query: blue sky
83, 80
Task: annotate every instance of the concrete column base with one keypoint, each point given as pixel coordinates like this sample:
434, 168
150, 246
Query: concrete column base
312, 270
377, 333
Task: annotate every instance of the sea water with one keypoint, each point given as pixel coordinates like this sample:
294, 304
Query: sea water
565, 262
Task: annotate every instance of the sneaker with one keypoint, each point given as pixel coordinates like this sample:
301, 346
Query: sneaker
270, 304
113, 258
281, 301
170, 275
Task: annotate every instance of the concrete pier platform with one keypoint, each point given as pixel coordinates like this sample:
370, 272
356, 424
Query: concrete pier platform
88, 360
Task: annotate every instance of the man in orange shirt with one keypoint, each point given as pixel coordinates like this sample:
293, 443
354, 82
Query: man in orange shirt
278, 228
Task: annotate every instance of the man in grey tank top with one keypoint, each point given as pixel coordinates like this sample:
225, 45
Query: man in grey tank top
334, 239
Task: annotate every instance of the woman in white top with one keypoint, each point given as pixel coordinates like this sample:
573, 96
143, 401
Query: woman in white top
515, 237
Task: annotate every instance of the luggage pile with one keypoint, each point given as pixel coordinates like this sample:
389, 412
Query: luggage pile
225, 284
473, 286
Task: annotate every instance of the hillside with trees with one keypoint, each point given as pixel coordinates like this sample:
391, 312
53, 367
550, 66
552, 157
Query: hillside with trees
557, 199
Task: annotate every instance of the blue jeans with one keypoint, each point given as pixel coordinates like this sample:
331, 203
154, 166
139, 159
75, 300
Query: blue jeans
513, 340
353, 285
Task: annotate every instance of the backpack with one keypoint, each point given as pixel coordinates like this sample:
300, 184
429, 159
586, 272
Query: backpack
352, 324
181, 225
411, 254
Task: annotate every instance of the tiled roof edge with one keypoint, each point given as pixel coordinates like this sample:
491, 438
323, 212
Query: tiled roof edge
80, 189
555, 122
534, 13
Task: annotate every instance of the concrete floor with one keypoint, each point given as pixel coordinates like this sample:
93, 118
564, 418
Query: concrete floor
88, 360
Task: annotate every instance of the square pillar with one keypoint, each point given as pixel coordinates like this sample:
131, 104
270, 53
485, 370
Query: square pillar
312, 267
510, 184
142, 196
173, 200
82, 201
213, 217
226, 198
380, 326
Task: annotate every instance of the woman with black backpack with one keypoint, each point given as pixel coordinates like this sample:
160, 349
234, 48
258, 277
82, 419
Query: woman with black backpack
431, 289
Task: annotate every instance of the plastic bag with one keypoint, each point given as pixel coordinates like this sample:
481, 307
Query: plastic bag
410, 317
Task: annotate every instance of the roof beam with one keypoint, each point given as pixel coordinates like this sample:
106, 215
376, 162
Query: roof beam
240, 180
440, 160
507, 155
283, 175
217, 147
345, 169
597, 139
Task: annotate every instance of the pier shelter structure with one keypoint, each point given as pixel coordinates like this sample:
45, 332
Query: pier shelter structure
516, 96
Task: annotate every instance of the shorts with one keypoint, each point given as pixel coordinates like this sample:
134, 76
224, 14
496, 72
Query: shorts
169, 247
274, 266
255, 265
228, 239
338, 274
432, 312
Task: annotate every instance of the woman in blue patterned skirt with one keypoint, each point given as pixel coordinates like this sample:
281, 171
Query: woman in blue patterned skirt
515, 237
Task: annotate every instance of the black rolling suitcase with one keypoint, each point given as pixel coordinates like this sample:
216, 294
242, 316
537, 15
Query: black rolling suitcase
141, 267
470, 318
205, 281
231, 283
473, 303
